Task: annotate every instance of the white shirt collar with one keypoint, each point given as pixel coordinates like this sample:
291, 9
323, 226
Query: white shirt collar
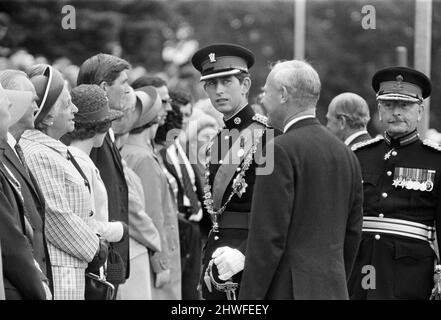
112, 135
289, 124
11, 141
353, 136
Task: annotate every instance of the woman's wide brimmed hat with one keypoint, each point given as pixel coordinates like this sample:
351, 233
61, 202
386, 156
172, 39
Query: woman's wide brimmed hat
151, 105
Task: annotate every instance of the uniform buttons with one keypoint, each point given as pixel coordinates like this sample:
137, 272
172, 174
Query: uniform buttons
389, 173
227, 137
394, 153
384, 195
377, 237
220, 162
381, 215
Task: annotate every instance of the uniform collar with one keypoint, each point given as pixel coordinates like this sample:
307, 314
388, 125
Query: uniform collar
241, 119
401, 141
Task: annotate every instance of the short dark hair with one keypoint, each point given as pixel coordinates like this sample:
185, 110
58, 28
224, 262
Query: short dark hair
101, 67
86, 131
173, 121
148, 81
180, 97
241, 76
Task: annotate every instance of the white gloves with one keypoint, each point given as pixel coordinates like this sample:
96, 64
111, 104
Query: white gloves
228, 262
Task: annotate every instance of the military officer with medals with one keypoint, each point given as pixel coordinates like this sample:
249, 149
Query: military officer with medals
402, 203
230, 170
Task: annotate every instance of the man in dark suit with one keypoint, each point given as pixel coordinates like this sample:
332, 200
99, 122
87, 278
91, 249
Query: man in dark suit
194, 221
306, 215
23, 278
22, 118
109, 72
348, 116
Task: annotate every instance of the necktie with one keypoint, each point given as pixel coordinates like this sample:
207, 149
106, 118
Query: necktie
20, 154
189, 187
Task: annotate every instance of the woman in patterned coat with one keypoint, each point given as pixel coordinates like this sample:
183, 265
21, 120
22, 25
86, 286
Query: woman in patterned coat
72, 241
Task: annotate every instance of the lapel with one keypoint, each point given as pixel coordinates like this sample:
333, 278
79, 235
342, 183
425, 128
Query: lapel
11, 158
169, 166
115, 154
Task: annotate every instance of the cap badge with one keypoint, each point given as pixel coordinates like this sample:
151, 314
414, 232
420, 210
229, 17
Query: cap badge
212, 57
399, 84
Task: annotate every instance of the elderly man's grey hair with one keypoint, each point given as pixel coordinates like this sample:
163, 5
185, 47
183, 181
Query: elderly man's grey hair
8, 78
301, 81
353, 107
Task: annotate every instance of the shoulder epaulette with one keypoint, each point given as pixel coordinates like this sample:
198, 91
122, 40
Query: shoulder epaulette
365, 143
432, 144
261, 119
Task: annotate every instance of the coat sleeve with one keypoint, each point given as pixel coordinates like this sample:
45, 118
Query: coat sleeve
151, 180
268, 227
142, 227
64, 229
355, 220
18, 261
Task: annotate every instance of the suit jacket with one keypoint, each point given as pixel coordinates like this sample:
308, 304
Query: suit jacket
108, 161
33, 207
22, 280
306, 218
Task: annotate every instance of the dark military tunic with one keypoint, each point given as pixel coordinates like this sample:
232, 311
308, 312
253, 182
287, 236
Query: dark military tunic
233, 223
401, 180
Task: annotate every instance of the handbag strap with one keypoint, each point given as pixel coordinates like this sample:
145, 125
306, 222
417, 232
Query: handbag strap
70, 157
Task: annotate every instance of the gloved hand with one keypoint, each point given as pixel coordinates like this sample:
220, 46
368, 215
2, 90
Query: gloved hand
162, 278
228, 261
100, 256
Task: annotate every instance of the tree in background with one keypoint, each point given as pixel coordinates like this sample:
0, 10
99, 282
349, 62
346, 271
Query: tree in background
345, 55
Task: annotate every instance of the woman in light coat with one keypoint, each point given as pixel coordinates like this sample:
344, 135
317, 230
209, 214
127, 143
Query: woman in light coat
139, 154
72, 240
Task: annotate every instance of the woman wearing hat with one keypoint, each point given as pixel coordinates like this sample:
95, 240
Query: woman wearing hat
72, 240
159, 202
92, 121
144, 236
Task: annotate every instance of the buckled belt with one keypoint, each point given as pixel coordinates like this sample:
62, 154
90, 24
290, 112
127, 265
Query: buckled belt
399, 227
234, 220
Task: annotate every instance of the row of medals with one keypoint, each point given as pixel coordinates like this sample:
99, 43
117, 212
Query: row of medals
412, 184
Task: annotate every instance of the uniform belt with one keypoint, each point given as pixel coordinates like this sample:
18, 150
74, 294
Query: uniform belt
399, 227
234, 220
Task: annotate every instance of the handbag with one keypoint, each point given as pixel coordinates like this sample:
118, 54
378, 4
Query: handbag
97, 287
115, 271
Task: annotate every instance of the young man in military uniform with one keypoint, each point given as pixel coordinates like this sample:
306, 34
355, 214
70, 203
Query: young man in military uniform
231, 165
401, 182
